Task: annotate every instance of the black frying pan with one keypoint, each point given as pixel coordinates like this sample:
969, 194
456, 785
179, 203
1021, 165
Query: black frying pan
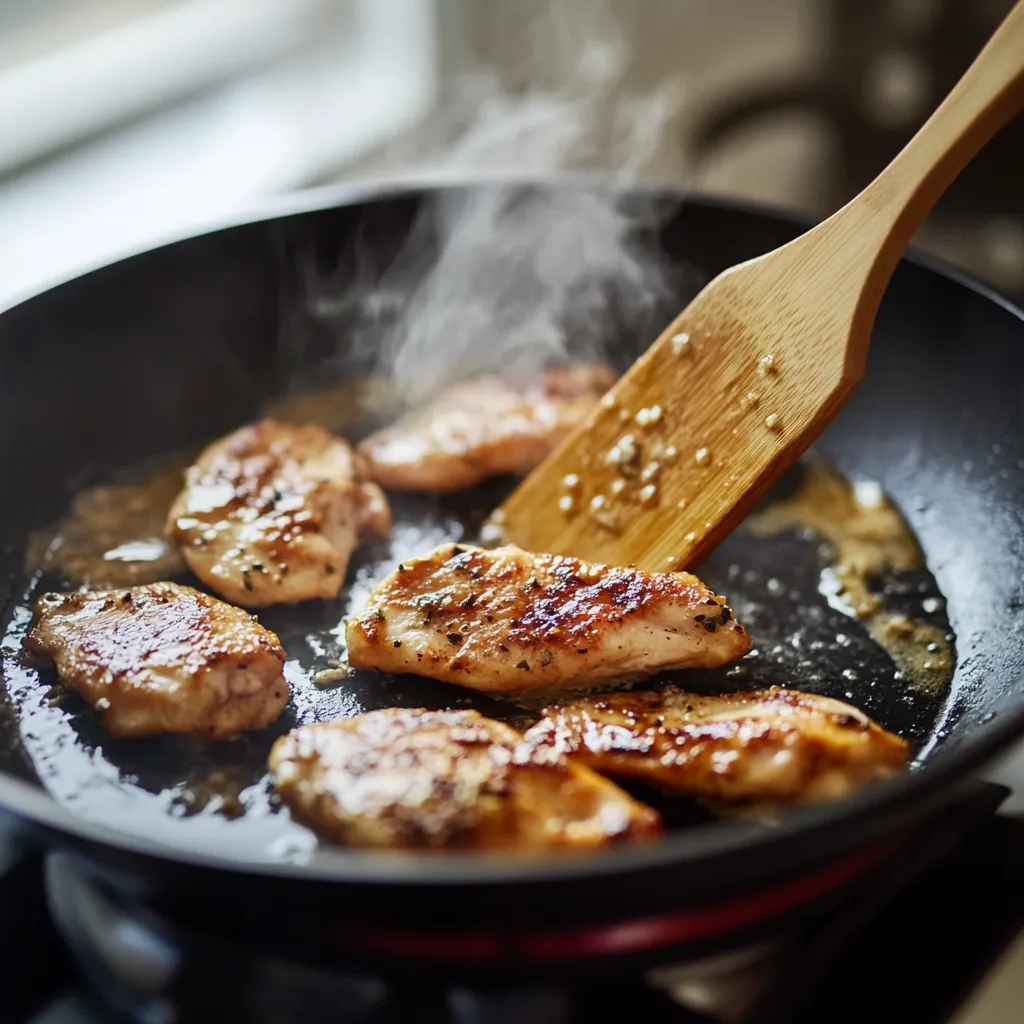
168, 349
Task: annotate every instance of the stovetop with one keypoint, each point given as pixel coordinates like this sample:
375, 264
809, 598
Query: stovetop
945, 907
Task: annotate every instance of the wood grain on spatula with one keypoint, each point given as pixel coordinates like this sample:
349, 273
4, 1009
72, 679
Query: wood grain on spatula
753, 370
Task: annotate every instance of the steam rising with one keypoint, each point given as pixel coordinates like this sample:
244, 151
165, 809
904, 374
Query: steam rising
512, 279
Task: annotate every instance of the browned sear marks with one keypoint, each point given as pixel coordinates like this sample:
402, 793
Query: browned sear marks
409, 779
164, 658
271, 514
506, 620
483, 428
761, 746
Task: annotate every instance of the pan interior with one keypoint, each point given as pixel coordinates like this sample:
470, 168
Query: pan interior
183, 792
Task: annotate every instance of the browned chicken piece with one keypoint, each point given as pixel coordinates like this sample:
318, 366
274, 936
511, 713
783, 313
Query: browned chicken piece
509, 621
763, 746
483, 428
407, 779
271, 514
164, 658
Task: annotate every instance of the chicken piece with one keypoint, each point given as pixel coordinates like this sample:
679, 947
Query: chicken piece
406, 779
483, 428
764, 746
271, 514
509, 621
164, 658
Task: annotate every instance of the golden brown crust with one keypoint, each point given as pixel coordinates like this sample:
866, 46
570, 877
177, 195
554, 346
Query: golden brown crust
483, 428
408, 779
772, 745
271, 513
507, 620
164, 658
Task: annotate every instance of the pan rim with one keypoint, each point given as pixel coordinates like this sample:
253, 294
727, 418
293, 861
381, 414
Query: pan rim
33, 803
365, 190
453, 868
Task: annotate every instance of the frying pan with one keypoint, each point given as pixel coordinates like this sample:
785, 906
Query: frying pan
169, 348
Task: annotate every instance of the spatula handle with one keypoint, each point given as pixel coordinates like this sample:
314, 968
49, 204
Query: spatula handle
990, 92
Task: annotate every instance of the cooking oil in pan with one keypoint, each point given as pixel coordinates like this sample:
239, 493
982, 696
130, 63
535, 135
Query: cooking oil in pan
827, 577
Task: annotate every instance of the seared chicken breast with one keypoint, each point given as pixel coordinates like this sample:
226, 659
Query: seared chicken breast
483, 428
763, 746
509, 621
271, 514
406, 779
164, 658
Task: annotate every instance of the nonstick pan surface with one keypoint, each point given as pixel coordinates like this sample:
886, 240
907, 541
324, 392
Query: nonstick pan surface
163, 351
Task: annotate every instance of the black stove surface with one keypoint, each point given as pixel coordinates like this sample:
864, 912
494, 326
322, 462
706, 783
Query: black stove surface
934, 921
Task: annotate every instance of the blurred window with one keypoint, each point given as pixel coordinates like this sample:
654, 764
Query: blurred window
69, 69
126, 122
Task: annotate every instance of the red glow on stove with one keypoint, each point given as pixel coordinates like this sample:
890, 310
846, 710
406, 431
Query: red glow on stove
624, 936
693, 925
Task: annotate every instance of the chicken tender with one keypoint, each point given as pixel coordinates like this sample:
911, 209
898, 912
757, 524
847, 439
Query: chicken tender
769, 746
164, 658
271, 514
483, 428
431, 779
508, 621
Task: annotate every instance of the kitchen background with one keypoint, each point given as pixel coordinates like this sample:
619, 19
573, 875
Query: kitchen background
127, 122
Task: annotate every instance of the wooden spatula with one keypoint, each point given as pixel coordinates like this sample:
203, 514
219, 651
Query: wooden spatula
758, 364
